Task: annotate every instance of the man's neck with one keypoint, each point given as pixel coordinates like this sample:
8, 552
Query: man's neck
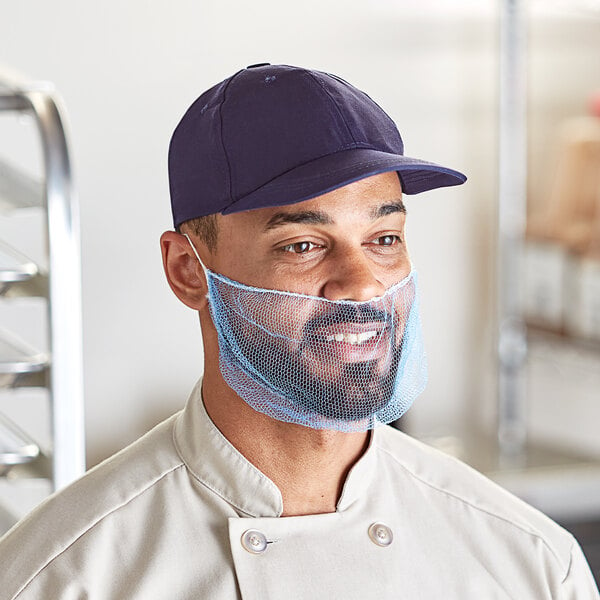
308, 466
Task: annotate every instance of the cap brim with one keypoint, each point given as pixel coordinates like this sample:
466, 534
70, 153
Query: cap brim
341, 168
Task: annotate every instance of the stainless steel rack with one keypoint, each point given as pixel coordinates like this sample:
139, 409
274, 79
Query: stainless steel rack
59, 367
559, 480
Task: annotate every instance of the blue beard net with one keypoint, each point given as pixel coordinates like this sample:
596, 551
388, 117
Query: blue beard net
324, 364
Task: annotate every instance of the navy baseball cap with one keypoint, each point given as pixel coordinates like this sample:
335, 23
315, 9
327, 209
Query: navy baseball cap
272, 135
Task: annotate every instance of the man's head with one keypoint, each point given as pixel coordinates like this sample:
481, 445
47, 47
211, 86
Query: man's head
292, 180
317, 328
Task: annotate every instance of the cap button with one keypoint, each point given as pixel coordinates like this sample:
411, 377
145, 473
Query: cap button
258, 65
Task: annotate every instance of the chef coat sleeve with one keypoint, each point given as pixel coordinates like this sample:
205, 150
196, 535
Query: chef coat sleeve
579, 583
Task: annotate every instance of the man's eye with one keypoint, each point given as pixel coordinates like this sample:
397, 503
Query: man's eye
388, 240
299, 247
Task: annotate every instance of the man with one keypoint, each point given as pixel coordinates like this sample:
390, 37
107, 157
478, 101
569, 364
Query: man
276, 480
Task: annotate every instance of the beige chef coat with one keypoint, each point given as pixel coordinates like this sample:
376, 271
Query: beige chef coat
167, 518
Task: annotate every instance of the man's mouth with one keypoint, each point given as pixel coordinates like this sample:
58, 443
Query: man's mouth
349, 332
349, 342
352, 338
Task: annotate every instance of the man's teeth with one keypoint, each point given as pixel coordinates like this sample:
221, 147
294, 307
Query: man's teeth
352, 338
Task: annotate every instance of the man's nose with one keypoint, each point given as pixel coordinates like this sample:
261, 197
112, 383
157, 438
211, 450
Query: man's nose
351, 277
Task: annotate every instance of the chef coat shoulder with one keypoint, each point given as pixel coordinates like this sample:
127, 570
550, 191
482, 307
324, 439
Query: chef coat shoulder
70, 515
460, 490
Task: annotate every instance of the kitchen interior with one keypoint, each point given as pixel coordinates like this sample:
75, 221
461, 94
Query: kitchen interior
507, 91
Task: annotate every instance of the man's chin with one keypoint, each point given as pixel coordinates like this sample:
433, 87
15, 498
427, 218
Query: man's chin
348, 399
347, 373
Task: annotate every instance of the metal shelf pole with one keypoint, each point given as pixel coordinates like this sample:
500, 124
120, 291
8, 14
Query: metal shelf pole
66, 379
512, 207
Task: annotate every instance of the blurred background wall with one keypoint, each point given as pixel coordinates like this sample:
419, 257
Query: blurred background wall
128, 70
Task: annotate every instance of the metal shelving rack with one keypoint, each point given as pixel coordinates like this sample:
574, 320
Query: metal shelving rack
59, 370
560, 481
532, 471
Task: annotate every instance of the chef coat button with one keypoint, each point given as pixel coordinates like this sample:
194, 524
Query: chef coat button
254, 541
381, 534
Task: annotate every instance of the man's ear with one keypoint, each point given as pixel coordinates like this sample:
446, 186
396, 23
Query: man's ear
184, 273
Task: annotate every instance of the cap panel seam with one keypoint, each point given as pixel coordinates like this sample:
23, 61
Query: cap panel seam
334, 103
229, 177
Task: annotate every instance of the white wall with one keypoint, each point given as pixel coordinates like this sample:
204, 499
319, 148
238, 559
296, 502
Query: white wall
128, 70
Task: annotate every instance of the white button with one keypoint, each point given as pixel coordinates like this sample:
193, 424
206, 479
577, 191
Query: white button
381, 534
254, 541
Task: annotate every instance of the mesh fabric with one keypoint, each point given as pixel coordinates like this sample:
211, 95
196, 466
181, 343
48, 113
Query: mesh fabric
324, 364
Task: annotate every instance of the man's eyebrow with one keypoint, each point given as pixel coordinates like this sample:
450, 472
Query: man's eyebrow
315, 217
388, 208
310, 217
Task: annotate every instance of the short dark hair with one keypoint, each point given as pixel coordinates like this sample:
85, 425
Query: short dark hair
206, 228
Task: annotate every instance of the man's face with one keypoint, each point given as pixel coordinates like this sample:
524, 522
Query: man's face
345, 245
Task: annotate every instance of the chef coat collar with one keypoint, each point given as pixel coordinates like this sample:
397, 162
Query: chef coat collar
214, 461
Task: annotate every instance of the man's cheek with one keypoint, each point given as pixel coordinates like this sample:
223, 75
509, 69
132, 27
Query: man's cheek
280, 318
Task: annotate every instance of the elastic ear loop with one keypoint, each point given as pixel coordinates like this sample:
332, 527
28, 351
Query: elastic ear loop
197, 255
